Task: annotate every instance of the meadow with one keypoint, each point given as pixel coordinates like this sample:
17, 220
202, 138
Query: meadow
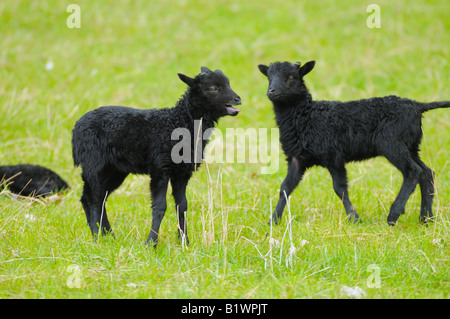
129, 53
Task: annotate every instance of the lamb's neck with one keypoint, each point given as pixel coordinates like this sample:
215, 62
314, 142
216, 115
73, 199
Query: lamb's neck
190, 115
293, 110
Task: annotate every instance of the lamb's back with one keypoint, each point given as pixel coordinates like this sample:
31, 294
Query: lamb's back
122, 135
352, 129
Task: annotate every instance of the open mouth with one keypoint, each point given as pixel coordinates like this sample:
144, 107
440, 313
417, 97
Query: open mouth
232, 110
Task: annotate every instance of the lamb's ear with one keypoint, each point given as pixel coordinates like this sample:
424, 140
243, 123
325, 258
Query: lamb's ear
263, 68
189, 81
307, 67
204, 69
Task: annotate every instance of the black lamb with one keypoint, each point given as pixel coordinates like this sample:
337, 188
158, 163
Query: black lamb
31, 180
113, 141
332, 133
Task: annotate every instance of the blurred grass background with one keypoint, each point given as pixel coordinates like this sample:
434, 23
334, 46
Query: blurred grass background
128, 53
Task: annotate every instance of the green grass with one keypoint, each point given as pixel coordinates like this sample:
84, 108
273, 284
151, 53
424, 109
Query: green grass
128, 53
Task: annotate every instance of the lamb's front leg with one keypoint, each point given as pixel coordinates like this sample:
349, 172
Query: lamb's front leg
293, 177
179, 185
158, 189
339, 176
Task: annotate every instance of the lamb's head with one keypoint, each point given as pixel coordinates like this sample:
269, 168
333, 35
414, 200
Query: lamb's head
286, 79
212, 91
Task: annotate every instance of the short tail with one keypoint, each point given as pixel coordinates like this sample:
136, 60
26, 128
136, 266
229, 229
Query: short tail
434, 105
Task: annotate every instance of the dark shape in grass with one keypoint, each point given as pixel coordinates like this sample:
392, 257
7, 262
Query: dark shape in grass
31, 180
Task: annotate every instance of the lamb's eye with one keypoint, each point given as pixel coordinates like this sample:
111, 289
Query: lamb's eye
213, 89
289, 79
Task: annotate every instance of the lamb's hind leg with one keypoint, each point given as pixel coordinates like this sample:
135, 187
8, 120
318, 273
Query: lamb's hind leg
111, 181
339, 176
426, 182
95, 193
86, 201
412, 172
92, 201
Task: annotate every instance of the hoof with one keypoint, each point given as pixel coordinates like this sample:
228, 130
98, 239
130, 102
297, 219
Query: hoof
392, 218
426, 219
354, 218
183, 238
273, 220
151, 242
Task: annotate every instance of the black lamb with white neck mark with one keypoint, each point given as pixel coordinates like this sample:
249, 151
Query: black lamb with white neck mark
113, 141
332, 133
